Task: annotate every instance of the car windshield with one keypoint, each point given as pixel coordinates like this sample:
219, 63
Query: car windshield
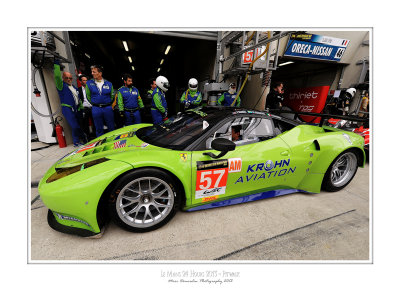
180, 131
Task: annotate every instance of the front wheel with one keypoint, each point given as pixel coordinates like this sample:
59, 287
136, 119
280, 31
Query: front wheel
341, 171
144, 200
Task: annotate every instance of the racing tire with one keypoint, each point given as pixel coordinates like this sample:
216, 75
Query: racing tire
341, 171
144, 200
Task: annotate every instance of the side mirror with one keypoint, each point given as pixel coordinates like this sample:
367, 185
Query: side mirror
223, 145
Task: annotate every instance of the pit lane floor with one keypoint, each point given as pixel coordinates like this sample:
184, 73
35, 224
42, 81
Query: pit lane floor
325, 226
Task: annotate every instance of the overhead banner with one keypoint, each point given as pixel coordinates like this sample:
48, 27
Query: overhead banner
313, 46
311, 99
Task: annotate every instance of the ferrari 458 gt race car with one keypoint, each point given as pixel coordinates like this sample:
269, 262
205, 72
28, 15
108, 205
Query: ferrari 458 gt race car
140, 175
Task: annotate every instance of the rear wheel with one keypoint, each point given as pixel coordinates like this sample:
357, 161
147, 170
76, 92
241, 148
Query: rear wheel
144, 200
341, 171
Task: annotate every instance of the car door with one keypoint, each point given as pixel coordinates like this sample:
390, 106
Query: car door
260, 162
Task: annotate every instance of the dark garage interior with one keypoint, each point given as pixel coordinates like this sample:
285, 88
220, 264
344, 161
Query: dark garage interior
187, 58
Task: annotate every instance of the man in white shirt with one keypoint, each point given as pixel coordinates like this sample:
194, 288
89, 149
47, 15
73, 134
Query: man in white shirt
87, 119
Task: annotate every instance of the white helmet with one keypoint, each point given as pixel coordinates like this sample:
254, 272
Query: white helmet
351, 91
162, 83
193, 84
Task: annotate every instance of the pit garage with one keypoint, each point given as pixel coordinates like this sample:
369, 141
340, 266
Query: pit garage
325, 226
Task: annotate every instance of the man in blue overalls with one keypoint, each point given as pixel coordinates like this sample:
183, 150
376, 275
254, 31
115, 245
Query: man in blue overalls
228, 98
191, 98
71, 105
129, 101
100, 93
159, 107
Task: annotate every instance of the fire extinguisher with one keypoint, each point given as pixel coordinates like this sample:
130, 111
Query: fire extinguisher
59, 132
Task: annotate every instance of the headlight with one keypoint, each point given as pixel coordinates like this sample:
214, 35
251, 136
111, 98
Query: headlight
63, 172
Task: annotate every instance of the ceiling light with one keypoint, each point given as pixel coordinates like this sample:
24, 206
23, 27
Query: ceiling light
125, 45
167, 49
158, 70
133, 68
284, 64
130, 59
87, 55
162, 61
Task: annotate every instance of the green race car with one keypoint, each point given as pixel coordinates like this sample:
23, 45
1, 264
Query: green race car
140, 175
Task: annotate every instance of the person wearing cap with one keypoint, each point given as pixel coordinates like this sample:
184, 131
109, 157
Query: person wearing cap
228, 98
191, 98
100, 94
275, 96
71, 105
129, 101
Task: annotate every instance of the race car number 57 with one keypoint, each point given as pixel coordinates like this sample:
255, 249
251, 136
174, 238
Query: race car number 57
211, 182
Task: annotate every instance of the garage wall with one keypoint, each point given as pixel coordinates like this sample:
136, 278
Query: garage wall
54, 99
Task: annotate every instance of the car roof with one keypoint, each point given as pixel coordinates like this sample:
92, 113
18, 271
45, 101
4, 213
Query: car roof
227, 111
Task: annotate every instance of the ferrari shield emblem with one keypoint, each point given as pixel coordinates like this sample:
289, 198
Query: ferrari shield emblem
183, 157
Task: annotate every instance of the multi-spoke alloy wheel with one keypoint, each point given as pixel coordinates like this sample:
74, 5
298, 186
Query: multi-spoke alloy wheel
145, 200
344, 169
341, 171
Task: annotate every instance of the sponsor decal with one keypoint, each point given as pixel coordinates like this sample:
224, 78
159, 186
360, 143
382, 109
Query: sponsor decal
205, 124
88, 147
121, 136
266, 170
212, 164
207, 199
64, 217
316, 47
235, 165
120, 144
211, 178
143, 145
183, 156
310, 99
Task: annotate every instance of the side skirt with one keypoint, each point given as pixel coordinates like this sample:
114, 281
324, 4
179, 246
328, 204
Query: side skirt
248, 198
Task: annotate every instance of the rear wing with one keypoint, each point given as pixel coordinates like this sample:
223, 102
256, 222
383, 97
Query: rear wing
323, 116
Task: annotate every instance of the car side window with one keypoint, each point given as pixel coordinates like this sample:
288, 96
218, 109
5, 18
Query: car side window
259, 129
281, 126
244, 130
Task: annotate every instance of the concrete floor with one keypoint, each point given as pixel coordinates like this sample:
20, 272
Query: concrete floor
325, 226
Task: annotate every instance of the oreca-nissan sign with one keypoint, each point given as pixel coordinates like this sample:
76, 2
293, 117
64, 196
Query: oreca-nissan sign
313, 46
310, 99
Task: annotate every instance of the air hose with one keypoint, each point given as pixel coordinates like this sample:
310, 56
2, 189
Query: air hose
249, 70
34, 85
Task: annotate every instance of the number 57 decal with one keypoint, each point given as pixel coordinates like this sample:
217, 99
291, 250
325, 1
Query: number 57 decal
211, 182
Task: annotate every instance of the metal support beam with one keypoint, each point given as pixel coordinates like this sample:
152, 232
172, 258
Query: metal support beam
71, 64
47, 51
217, 57
56, 36
276, 37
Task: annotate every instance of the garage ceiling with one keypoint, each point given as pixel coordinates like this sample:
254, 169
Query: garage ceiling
191, 54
